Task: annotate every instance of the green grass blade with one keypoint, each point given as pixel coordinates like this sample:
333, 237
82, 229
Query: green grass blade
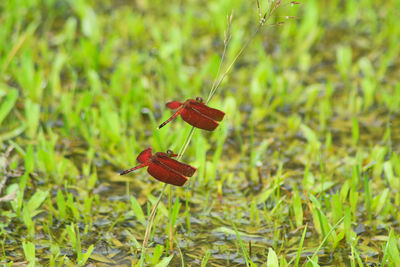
7, 104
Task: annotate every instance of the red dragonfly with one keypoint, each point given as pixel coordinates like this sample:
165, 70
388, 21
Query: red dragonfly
162, 167
196, 113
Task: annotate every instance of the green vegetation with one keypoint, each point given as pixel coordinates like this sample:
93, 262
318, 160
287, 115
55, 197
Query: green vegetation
304, 170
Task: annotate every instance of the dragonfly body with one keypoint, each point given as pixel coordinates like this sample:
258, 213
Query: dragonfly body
196, 113
162, 167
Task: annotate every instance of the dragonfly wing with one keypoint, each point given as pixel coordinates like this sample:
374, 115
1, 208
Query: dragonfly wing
173, 104
144, 155
179, 167
213, 113
196, 119
165, 174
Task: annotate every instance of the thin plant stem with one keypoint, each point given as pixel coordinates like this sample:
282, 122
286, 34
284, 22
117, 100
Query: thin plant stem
216, 83
151, 217
263, 19
186, 143
226, 42
212, 92
170, 230
150, 220
180, 155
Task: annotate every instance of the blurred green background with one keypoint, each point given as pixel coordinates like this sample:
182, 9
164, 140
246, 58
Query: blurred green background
304, 169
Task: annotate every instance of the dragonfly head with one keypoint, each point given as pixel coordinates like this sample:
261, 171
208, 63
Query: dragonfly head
199, 99
171, 154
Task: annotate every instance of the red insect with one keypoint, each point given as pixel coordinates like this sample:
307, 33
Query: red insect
196, 114
162, 167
